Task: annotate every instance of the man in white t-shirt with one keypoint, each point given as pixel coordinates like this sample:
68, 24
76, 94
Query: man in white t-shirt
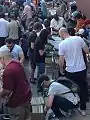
3, 29
71, 50
59, 96
15, 50
56, 23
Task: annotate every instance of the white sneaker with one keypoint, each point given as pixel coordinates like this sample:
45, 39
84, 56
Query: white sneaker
82, 112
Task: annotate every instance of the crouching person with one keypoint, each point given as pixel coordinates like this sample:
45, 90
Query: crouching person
16, 89
60, 97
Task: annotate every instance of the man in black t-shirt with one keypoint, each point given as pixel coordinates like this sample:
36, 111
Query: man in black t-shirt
40, 55
32, 38
40, 51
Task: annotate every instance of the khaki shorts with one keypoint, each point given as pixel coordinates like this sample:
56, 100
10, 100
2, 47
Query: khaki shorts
20, 113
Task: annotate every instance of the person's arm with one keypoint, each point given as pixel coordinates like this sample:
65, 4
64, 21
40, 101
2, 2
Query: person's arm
49, 102
84, 46
41, 48
86, 49
8, 27
5, 93
77, 26
61, 64
61, 58
21, 58
53, 29
51, 95
21, 55
32, 45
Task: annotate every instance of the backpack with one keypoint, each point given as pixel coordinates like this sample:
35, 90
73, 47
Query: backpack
74, 88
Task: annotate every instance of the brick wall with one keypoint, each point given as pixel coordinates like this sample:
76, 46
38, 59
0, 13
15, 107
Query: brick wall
84, 6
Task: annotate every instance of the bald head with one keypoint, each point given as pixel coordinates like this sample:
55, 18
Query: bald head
63, 32
5, 57
63, 29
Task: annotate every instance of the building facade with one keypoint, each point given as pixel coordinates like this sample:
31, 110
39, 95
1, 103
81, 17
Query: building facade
84, 7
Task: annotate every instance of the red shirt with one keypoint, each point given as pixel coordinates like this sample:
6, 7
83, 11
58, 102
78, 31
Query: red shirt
14, 79
80, 24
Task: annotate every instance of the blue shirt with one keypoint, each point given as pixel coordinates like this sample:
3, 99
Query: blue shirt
16, 51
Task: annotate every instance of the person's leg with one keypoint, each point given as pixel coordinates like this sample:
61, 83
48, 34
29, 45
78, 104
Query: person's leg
41, 70
25, 54
27, 109
80, 79
32, 71
61, 103
32, 65
83, 89
38, 69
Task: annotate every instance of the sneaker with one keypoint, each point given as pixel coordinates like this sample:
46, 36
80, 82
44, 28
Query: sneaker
82, 112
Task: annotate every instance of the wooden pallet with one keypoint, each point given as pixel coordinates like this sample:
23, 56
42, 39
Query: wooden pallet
37, 104
37, 101
37, 109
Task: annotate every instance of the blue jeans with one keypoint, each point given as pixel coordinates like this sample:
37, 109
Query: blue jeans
40, 69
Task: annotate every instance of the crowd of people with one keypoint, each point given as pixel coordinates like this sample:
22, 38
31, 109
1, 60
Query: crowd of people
24, 33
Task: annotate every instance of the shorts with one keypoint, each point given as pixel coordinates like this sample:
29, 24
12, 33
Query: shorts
20, 113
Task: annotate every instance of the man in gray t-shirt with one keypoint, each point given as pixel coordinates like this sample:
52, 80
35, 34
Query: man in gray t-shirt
59, 89
57, 99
